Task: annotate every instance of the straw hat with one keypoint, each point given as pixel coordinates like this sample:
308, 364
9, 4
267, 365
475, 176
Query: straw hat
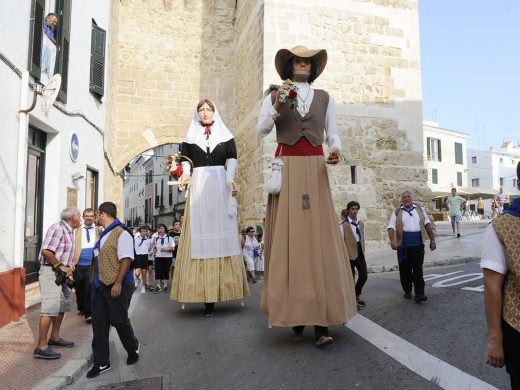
283, 55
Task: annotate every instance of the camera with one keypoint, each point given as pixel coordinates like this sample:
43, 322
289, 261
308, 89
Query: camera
61, 277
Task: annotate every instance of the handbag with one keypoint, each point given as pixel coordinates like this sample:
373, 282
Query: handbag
274, 181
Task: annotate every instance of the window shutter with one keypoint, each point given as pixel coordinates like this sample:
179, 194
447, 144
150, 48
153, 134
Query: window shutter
97, 60
428, 151
458, 153
36, 35
62, 57
439, 147
435, 178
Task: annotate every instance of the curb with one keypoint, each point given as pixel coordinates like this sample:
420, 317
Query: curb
374, 269
71, 371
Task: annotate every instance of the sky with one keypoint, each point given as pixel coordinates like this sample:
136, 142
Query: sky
470, 59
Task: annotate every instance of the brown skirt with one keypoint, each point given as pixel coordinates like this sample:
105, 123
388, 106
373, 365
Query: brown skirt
308, 280
206, 280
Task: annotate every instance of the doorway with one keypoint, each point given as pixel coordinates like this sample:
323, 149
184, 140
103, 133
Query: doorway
34, 202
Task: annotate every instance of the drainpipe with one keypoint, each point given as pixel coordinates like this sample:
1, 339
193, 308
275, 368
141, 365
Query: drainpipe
21, 168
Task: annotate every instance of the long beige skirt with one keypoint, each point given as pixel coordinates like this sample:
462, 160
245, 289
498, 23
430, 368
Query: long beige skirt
308, 280
206, 280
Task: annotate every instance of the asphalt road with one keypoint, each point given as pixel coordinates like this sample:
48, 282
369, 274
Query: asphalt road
236, 350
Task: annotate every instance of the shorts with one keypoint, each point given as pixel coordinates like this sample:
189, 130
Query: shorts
55, 299
141, 262
150, 263
456, 218
480, 211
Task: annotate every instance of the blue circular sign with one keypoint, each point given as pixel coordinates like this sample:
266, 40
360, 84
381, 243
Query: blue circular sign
74, 147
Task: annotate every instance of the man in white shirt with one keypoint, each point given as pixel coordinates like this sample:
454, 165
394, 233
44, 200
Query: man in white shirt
409, 227
142, 248
500, 262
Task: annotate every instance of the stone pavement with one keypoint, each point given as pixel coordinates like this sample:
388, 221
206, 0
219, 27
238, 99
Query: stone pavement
19, 370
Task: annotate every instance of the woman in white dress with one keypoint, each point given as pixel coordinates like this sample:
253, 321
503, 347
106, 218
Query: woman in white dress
209, 264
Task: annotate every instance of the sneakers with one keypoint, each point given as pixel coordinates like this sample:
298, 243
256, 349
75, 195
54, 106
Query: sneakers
133, 357
46, 353
360, 302
420, 298
157, 290
96, 370
165, 289
323, 341
254, 280
407, 295
61, 343
150, 287
458, 235
143, 290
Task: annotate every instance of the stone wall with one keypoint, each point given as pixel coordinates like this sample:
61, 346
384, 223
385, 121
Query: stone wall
171, 53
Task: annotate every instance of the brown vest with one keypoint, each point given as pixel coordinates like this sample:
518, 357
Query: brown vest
78, 236
108, 261
350, 239
507, 228
399, 224
291, 126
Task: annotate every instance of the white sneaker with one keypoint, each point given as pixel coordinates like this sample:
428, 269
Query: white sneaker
143, 289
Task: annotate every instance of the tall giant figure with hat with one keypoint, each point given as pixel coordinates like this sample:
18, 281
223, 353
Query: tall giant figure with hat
307, 279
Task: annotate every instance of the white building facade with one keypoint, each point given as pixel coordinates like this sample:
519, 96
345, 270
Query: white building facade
49, 160
492, 169
445, 158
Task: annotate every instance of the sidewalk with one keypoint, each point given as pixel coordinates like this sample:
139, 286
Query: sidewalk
20, 371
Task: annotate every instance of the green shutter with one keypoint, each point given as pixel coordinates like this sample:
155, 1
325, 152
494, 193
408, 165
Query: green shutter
97, 60
428, 151
435, 176
63, 39
459, 179
36, 36
439, 147
458, 154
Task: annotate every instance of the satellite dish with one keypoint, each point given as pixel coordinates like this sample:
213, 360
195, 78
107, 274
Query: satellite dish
50, 92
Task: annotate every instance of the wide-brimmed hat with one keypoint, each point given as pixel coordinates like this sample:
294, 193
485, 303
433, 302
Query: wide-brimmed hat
283, 55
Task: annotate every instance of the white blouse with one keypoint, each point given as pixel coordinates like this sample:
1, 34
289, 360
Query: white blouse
268, 115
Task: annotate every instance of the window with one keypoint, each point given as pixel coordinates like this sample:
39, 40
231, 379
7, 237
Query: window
435, 176
36, 36
170, 195
433, 149
459, 179
97, 60
475, 182
353, 177
162, 191
501, 160
63, 43
147, 210
91, 192
474, 159
157, 197
458, 154
501, 181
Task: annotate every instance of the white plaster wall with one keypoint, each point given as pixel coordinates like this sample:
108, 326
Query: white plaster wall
59, 167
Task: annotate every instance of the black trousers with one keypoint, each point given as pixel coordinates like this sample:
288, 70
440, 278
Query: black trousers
511, 342
411, 269
83, 288
361, 266
318, 330
162, 268
108, 311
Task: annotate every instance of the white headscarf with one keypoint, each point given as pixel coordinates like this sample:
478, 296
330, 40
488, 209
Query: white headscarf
219, 132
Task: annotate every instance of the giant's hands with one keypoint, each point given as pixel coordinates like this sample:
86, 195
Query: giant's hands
278, 100
495, 353
333, 157
232, 188
184, 181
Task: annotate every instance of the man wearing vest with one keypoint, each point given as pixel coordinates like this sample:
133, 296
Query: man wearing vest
501, 264
353, 232
113, 288
85, 237
409, 227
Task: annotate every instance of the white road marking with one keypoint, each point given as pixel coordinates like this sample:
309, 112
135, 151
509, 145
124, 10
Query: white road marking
472, 277
415, 359
429, 277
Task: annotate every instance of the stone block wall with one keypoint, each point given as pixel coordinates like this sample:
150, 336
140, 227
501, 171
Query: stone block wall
167, 54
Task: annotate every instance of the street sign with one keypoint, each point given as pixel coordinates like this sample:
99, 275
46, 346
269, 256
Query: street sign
74, 147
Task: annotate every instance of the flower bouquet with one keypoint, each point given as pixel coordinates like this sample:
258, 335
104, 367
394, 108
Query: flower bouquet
290, 96
174, 167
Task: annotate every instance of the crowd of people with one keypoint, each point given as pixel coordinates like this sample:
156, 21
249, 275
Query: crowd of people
306, 282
